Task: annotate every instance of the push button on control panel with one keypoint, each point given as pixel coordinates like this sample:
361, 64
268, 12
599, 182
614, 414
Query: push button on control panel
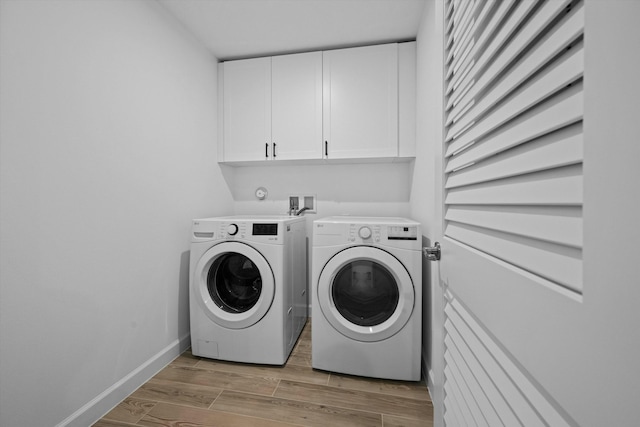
376, 233
352, 233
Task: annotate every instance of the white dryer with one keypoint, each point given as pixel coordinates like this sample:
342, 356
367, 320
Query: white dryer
248, 287
367, 297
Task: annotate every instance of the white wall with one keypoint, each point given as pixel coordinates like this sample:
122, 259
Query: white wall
377, 189
108, 114
425, 201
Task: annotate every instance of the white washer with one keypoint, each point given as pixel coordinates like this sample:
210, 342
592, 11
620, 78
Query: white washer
367, 297
247, 292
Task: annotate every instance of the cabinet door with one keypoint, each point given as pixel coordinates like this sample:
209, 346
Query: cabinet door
247, 110
297, 106
360, 102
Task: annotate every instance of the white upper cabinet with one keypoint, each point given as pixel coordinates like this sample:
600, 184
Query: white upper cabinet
360, 102
296, 114
338, 104
272, 108
247, 110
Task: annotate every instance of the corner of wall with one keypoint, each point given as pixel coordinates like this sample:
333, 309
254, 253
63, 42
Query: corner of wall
115, 394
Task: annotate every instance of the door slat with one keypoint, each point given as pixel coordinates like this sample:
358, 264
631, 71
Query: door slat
550, 151
553, 114
489, 416
550, 415
500, 413
559, 187
559, 75
536, 56
483, 39
559, 264
561, 225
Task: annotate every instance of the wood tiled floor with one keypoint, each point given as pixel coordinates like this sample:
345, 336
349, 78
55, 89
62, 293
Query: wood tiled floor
193, 391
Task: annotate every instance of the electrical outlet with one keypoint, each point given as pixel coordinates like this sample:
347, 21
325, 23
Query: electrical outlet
297, 202
294, 203
310, 204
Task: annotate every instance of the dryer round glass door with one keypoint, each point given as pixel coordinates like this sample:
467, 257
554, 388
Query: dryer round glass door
365, 293
234, 285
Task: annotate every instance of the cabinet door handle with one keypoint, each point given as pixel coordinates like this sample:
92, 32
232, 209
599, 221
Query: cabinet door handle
274, 150
266, 150
326, 149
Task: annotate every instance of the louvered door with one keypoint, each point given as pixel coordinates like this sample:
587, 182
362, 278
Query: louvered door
512, 265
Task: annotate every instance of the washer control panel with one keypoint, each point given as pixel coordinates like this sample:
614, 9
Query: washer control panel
254, 231
272, 229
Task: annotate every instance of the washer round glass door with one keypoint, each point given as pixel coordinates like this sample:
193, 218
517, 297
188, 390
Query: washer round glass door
365, 293
234, 285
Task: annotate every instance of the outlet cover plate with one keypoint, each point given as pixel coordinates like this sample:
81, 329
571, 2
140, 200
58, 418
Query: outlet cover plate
299, 201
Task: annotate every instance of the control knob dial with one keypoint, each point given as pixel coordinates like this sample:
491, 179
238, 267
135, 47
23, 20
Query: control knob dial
232, 229
364, 232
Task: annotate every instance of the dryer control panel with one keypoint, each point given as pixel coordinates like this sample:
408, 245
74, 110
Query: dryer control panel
392, 232
364, 233
399, 232
377, 232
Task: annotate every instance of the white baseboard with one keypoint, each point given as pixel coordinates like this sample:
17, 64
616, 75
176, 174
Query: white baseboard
111, 397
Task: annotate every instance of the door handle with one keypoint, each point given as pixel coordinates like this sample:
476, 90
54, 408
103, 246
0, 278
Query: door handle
432, 253
266, 150
274, 150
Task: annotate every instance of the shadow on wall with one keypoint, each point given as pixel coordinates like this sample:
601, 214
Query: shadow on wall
183, 295
427, 295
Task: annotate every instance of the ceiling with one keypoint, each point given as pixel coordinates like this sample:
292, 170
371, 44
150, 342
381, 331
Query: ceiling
234, 29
